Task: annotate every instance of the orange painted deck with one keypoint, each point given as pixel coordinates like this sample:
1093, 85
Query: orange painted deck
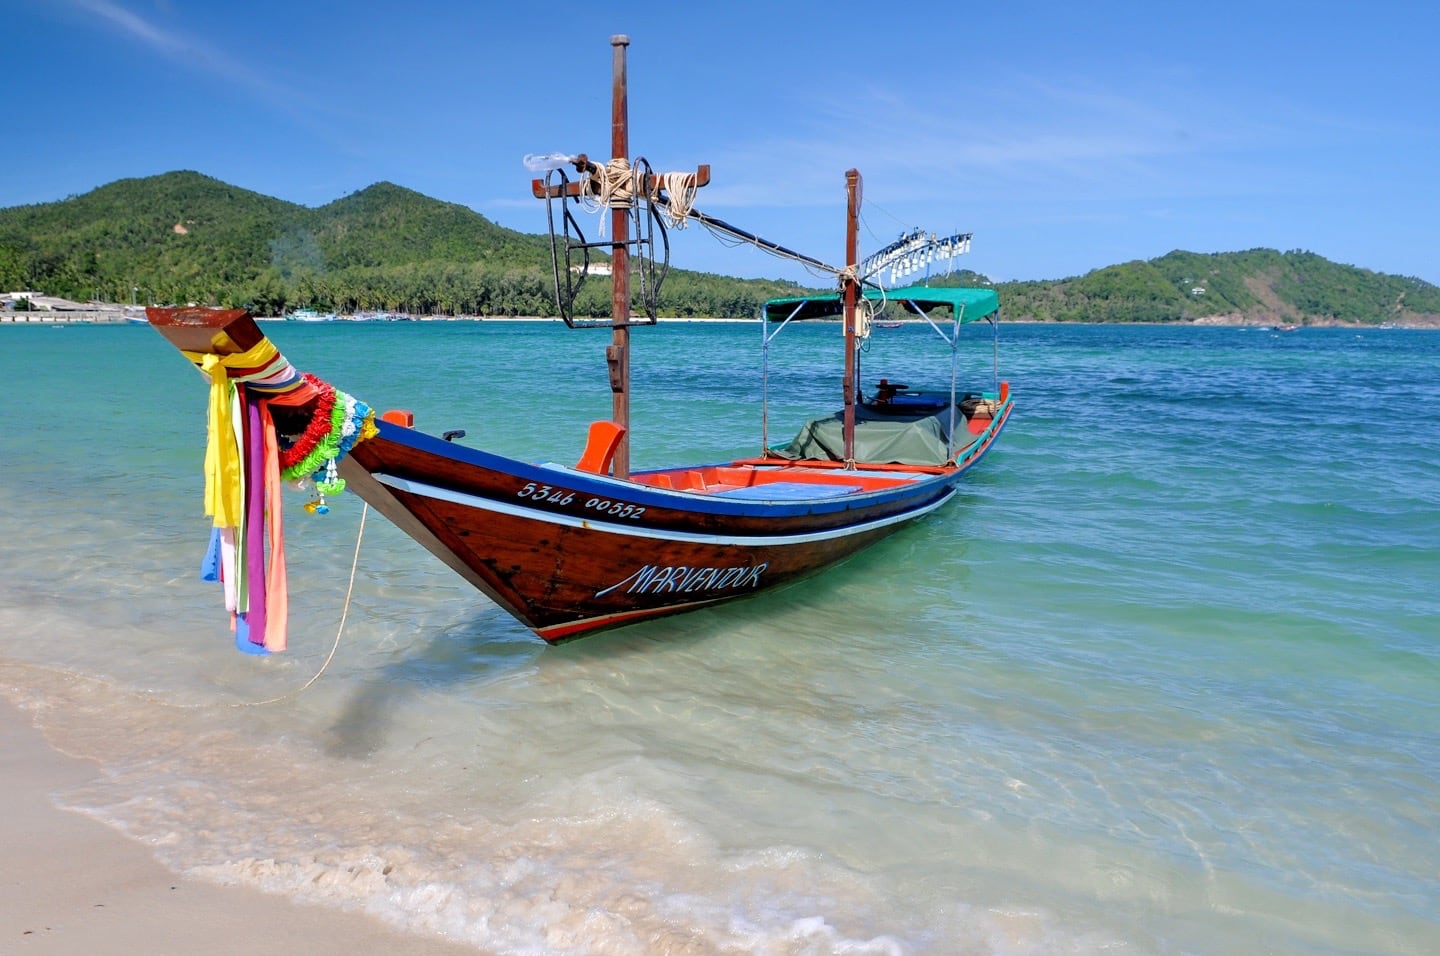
760, 472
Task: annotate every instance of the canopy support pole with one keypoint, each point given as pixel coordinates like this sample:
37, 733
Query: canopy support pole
850, 288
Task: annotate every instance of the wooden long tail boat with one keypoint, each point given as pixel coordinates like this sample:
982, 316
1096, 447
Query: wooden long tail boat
569, 550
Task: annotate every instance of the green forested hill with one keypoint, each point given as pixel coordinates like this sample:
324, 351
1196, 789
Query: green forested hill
1259, 286
178, 236
185, 237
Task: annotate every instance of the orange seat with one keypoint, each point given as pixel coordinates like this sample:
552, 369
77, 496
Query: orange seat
399, 416
600, 447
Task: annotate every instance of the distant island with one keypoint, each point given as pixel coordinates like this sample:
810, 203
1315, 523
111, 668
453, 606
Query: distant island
1255, 287
185, 237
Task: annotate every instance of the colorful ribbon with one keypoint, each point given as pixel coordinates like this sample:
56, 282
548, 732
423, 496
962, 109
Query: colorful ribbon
222, 447
244, 464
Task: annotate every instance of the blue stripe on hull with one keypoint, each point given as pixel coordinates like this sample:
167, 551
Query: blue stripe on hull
604, 486
662, 534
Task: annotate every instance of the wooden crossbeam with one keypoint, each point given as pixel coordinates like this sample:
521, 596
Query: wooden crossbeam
653, 184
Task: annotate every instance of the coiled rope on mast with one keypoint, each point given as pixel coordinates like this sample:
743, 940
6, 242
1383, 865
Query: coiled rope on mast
680, 190
617, 184
611, 186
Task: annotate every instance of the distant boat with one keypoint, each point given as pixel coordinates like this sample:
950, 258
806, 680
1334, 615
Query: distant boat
310, 315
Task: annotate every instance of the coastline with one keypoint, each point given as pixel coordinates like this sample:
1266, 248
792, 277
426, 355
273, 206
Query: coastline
73, 885
1218, 321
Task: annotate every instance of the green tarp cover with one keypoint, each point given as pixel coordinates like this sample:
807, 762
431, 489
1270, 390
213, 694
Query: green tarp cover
887, 439
970, 304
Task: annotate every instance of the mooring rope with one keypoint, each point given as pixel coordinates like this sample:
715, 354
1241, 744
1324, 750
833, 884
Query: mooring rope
344, 616
335, 646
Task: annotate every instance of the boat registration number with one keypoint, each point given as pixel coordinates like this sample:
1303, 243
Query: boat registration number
555, 496
619, 509
559, 496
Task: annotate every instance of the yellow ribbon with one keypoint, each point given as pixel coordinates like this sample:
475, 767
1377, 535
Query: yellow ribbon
222, 447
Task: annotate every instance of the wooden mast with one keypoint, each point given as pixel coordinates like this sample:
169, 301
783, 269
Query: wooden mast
850, 285
647, 188
617, 356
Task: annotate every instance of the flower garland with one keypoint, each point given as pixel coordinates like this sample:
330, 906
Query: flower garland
315, 432
339, 421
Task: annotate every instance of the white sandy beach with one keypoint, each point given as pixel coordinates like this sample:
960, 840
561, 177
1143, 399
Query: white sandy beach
71, 885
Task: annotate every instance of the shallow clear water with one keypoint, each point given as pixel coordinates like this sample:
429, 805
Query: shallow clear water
1165, 678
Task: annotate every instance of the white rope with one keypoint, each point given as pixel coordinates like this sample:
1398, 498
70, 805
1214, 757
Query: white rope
680, 190
617, 184
732, 241
612, 188
344, 615
863, 315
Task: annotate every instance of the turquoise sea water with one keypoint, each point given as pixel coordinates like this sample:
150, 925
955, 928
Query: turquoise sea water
1164, 679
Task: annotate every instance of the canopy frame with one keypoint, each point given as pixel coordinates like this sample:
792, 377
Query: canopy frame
967, 305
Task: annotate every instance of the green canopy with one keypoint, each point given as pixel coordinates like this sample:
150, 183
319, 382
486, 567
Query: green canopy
971, 305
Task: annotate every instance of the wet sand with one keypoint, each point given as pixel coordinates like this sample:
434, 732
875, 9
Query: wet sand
72, 885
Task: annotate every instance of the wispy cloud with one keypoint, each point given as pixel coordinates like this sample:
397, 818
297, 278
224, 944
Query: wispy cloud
187, 51
134, 26
1025, 140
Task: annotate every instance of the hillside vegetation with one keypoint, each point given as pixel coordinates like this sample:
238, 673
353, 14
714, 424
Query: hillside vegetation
1258, 286
185, 237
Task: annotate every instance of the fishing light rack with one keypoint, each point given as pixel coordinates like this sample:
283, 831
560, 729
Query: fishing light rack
913, 252
570, 252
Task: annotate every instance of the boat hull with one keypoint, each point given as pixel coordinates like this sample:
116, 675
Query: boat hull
569, 553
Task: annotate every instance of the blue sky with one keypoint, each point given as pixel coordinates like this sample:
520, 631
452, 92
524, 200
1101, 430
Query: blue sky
1067, 136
